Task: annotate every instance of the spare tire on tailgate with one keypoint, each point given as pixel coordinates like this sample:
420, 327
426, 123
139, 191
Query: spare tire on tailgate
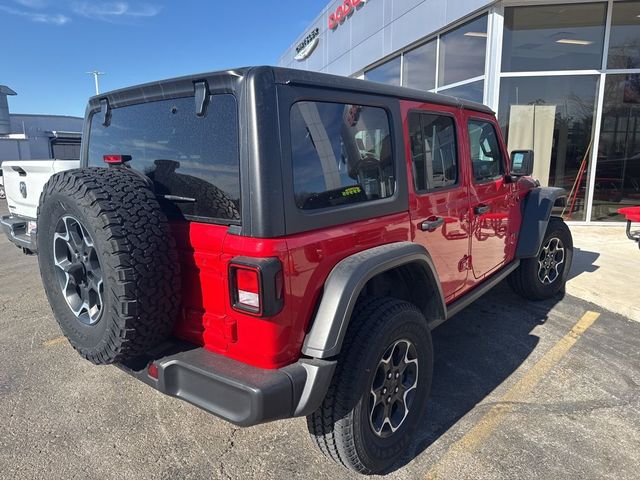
108, 262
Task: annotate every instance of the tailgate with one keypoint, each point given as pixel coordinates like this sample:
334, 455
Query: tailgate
25, 179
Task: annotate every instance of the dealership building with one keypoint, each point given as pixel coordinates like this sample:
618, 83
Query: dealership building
563, 77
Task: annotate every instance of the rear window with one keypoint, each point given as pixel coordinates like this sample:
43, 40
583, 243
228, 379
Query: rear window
193, 161
341, 154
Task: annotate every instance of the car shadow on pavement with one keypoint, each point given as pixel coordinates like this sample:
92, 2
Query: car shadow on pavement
583, 262
475, 352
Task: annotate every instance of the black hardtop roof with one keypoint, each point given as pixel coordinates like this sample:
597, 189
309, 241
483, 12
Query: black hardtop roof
288, 76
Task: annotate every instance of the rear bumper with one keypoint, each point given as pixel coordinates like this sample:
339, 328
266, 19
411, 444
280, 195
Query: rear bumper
16, 229
239, 393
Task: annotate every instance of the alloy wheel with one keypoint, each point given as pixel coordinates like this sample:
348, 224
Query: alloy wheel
551, 261
393, 388
78, 270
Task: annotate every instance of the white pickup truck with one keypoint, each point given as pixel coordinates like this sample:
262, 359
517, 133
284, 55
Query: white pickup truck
23, 184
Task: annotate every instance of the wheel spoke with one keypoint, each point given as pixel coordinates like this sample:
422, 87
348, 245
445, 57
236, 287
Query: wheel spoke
551, 261
395, 379
78, 270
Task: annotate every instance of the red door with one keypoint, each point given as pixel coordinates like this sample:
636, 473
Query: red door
438, 191
491, 195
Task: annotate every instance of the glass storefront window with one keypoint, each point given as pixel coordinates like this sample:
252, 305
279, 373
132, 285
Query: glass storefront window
388, 72
618, 169
553, 37
462, 52
554, 117
419, 67
473, 91
624, 40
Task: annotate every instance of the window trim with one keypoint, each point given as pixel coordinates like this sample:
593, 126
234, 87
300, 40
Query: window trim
456, 130
496, 129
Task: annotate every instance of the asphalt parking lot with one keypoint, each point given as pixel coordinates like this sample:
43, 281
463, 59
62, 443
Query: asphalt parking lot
521, 390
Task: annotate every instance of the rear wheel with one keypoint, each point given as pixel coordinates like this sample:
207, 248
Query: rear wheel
544, 276
3, 195
379, 391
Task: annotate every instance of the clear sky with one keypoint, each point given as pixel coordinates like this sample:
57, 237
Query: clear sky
48, 45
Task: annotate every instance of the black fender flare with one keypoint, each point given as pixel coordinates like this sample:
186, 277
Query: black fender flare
535, 218
345, 283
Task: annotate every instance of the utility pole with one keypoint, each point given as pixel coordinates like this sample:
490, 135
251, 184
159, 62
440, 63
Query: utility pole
95, 74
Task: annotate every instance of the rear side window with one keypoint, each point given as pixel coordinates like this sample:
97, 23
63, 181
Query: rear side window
193, 161
486, 155
433, 151
341, 154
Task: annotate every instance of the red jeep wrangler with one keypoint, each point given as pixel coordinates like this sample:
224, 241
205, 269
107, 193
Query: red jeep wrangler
267, 243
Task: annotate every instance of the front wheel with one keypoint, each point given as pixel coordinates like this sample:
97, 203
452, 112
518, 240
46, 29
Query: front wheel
3, 195
379, 391
544, 276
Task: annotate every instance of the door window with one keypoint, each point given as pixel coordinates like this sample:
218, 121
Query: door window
486, 155
433, 151
341, 154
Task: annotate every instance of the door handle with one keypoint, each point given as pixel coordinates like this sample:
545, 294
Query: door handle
431, 225
481, 209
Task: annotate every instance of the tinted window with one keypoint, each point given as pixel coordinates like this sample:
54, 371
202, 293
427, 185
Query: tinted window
186, 156
433, 151
554, 117
65, 151
486, 156
419, 67
341, 154
473, 91
388, 72
617, 182
462, 52
624, 41
553, 37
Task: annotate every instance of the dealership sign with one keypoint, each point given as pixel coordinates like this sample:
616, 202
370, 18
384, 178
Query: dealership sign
343, 12
308, 45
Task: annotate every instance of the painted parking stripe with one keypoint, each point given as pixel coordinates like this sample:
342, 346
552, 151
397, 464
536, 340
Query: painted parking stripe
492, 419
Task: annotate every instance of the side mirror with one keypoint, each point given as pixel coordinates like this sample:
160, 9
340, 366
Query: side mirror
521, 163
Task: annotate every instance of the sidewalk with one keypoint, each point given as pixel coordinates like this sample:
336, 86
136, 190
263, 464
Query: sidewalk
606, 269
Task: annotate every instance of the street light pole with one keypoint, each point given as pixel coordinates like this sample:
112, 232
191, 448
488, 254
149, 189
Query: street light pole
95, 74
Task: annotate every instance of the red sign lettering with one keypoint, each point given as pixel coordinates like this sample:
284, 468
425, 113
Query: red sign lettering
343, 11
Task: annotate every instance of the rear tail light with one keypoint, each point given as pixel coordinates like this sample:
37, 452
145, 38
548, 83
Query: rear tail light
248, 288
256, 285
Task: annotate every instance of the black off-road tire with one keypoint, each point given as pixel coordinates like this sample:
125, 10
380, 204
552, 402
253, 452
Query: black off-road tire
525, 280
136, 254
341, 426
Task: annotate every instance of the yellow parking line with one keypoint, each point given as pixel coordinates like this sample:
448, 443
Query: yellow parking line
492, 419
54, 341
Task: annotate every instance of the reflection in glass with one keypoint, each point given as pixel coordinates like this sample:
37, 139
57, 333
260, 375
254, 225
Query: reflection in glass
618, 169
419, 68
462, 52
473, 91
340, 154
553, 37
624, 40
388, 72
185, 155
553, 116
